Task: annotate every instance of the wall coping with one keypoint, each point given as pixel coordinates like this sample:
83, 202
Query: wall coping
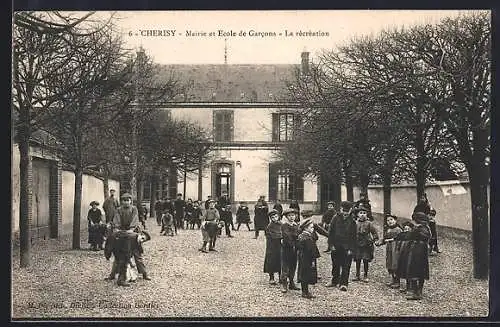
436, 183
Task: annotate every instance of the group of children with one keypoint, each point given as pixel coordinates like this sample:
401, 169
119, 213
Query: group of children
351, 237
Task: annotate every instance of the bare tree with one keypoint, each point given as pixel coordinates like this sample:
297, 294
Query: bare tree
37, 59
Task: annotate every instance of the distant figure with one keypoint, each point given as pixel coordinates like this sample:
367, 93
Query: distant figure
95, 227
423, 205
295, 205
278, 207
110, 205
243, 216
261, 219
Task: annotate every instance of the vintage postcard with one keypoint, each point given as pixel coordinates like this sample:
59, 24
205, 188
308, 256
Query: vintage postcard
235, 165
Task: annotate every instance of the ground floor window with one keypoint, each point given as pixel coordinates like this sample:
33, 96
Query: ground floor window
284, 185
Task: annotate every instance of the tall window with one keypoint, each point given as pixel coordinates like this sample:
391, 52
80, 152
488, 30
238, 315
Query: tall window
284, 125
223, 125
284, 184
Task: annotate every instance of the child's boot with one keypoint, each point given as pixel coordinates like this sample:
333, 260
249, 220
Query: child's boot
292, 286
411, 292
305, 291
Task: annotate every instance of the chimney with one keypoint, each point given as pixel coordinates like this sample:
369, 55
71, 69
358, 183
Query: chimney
305, 63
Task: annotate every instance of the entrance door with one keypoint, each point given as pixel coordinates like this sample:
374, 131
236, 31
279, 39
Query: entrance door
223, 180
40, 204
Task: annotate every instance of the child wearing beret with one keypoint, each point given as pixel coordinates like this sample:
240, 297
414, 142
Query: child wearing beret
391, 231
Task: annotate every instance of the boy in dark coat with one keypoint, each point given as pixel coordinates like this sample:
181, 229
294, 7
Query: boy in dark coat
402, 247
307, 254
289, 232
417, 269
272, 260
227, 218
342, 242
243, 216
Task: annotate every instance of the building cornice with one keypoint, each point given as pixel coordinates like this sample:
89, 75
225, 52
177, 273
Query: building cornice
232, 105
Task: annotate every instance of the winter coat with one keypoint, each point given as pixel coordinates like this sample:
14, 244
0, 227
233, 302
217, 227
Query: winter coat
328, 216
307, 254
261, 219
242, 215
418, 255
391, 254
272, 260
401, 249
342, 232
95, 229
366, 235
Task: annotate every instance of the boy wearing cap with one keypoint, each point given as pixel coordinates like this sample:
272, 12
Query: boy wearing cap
289, 232
342, 242
307, 254
127, 219
209, 227
433, 242
272, 260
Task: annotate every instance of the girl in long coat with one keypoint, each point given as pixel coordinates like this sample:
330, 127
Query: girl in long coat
272, 260
366, 236
417, 270
391, 231
261, 220
307, 254
96, 231
402, 248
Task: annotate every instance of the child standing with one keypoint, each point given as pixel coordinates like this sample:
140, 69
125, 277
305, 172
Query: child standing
289, 232
307, 254
167, 224
433, 242
95, 227
272, 260
402, 247
243, 216
391, 231
197, 214
417, 270
327, 217
342, 242
366, 235
227, 218
209, 227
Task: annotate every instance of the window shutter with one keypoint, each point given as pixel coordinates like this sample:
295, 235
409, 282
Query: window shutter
273, 181
299, 188
276, 127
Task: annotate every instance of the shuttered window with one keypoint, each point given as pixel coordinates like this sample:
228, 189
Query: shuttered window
284, 126
223, 125
284, 185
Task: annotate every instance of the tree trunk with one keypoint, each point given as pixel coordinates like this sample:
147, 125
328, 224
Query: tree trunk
421, 161
364, 180
200, 180
77, 207
25, 193
387, 192
106, 182
349, 183
152, 200
140, 191
390, 161
480, 224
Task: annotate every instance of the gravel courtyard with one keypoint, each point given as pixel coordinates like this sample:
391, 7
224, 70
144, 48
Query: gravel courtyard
64, 283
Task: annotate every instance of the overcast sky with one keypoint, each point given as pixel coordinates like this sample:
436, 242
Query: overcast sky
341, 25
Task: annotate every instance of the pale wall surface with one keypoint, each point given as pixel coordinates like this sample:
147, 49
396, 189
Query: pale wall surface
92, 189
450, 199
